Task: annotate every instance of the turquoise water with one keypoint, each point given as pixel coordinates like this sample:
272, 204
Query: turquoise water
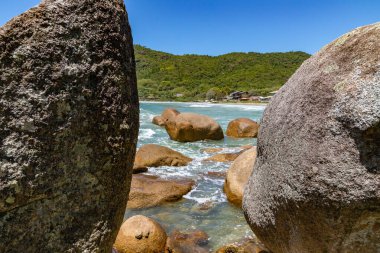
223, 222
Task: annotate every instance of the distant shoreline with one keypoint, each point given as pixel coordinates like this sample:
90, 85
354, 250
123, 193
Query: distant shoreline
217, 103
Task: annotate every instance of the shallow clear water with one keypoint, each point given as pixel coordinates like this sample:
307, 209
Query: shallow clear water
223, 222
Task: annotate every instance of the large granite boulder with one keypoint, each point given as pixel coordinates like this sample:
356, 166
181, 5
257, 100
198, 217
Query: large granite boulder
148, 191
238, 175
152, 155
316, 183
140, 234
189, 127
242, 128
68, 126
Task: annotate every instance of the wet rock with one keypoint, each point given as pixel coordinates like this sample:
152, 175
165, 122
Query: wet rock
166, 115
190, 127
68, 126
152, 155
244, 246
211, 150
140, 234
238, 175
315, 186
194, 242
226, 157
242, 128
149, 191
216, 174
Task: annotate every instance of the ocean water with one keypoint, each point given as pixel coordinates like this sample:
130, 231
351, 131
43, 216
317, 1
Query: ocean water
223, 222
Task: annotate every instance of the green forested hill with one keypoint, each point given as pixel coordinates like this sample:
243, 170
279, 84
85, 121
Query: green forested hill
161, 75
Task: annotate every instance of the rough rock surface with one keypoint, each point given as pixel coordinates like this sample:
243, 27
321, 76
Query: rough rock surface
238, 175
68, 126
189, 127
316, 183
193, 242
149, 191
152, 155
242, 128
140, 234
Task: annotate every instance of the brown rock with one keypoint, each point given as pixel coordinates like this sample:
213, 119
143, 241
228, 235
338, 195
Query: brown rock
68, 126
140, 234
152, 155
189, 127
227, 157
238, 175
216, 174
149, 191
194, 242
316, 182
169, 114
211, 150
242, 128
244, 246
158, 120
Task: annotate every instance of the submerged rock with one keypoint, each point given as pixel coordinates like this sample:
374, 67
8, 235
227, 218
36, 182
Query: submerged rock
315, 186
238, 175
194, 242
140, 234
149, 191
189, 127
152, 155
68, 126
242, 128
247, 245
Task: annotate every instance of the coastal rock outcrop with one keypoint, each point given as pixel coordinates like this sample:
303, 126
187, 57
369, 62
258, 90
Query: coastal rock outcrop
315, 186
242, 128
152, 155
238, 175
158, 120
68, 126
189, 127
149, 191
194, 242
140, 234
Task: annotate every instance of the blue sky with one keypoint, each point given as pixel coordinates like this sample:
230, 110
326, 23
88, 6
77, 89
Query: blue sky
215, 27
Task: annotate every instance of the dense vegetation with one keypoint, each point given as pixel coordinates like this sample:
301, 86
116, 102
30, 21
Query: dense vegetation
163, 76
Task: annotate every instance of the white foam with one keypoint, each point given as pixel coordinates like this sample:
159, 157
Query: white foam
146, 134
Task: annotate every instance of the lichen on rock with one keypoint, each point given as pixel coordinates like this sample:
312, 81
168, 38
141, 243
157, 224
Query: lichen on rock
66, 69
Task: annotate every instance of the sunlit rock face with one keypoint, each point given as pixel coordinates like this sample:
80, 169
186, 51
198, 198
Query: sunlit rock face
315, 186
68, 126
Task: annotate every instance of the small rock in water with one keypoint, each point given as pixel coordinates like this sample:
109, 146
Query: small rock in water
149, 191
195, 242
226, 157
243, 128
190, 127
152, 155
140, 234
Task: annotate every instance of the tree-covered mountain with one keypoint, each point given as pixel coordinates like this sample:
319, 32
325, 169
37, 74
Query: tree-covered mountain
164, 76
